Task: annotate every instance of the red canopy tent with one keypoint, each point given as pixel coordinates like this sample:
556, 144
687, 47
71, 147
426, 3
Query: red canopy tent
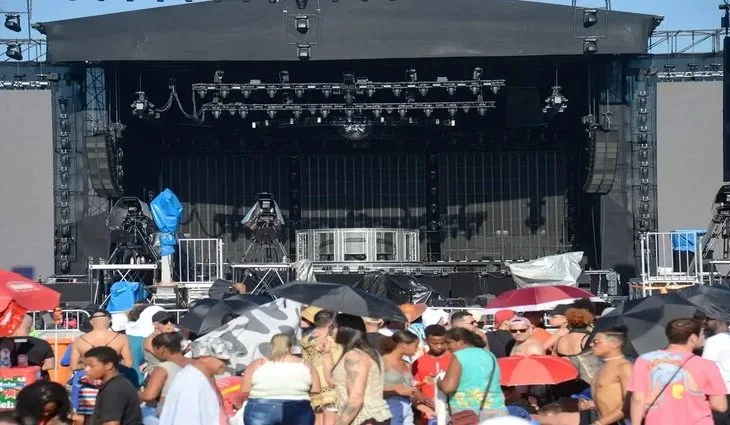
30, 295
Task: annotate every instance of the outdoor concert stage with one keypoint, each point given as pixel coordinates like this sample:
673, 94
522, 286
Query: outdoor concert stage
409, 114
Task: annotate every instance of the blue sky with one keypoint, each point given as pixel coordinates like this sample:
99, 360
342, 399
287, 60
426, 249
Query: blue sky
679, 14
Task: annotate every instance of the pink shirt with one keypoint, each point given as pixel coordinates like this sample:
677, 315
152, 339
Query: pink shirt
684, 401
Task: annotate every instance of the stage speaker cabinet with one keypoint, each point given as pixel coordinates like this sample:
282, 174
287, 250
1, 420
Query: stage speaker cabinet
101, 161
604, 151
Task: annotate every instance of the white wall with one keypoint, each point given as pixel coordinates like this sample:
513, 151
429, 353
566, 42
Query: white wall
26, 181
689, 152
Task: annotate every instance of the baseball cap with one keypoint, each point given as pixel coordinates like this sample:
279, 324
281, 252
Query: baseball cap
559, 310
163, 316
100, 312
583, 395
520, 321
503, 315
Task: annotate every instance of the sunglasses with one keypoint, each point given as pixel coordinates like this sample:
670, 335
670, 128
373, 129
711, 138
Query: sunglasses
100, 316
518, 331
473, 322
166, 322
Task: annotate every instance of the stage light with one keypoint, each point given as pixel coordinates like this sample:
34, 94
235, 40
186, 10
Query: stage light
13, 51
495, 89
451, 90
202, 93
62, 105
12, 22
402, 112
590, 17
349, 98
271, 113
428, 112
284, 77
312, 110
388, 111
64, 160
325, 112
376, 113
349, 113
273, 1
64, 143
452, 110
423, 89
64, 230
326, 92
297, 112
242, 112
482, 110
216, 112
224, 92
304, 52
371, 91
301, 23
272, 92
396, 91
246, 93
411, 75
477, 73
465, 109
299, 91
475, 89
590, 46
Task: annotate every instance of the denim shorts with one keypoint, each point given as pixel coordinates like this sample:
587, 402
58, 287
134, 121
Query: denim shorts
262, 411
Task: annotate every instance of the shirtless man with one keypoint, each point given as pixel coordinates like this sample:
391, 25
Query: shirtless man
525, 345
609, 387
466, 320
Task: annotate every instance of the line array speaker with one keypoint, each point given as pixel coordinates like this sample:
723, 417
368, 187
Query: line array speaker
604, 151
101, 160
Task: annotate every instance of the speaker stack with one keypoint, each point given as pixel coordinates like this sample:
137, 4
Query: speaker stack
104, 165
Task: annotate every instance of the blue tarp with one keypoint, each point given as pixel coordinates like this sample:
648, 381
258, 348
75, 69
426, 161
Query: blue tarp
686, 239
124, 295
167, 211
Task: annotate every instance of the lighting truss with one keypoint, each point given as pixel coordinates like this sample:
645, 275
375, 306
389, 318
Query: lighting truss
24, 85
217, 109
710, 75
360, 87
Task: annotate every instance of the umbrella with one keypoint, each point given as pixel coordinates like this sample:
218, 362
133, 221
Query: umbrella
535, 370
712, 300
342, 298
250, 333
30, 295
256, 299
538, 298
207, 314
646, 320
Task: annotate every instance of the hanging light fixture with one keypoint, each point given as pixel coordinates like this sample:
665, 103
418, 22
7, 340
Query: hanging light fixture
14, 51
12, 22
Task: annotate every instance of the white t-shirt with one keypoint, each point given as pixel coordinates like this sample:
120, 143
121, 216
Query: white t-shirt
717, 349
191, 400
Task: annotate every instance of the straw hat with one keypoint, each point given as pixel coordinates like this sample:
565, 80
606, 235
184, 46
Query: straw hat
309, 313
413, 311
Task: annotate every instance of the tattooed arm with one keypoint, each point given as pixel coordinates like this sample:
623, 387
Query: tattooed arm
357, 366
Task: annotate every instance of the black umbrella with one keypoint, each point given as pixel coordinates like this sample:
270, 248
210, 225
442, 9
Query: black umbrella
208, 314
714, 301
646, 320
341, 298
256, 299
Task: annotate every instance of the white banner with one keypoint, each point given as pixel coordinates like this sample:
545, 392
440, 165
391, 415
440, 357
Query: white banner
562, 269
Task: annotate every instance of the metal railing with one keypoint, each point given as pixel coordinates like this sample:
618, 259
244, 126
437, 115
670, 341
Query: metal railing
201, 261
668, 261
70, 321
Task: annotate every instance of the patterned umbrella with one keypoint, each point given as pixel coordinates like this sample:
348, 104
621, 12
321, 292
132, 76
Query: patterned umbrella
250, 333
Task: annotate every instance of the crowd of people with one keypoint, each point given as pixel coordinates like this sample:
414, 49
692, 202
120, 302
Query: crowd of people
355, 370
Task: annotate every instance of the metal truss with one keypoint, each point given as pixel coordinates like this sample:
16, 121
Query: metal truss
359, 87
682, 41
691, 76
243, 109
33, 50
97, 116
24, 85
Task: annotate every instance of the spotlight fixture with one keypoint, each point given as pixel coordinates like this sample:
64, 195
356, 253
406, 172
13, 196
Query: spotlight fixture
304, 51
272, 92
402, 112
423, 89
325, 112
590, 18
396, 91
477, 73
299, 91
284, 77
301, 23
301, 4
216, 112
224, 92
428, 112
590, 46
451, 90
12, 22
141, 106
411, 75
297, 112
14, 52
272, 113
327, 92
371, 91
202, 93
242, 112
62, 104
556, 102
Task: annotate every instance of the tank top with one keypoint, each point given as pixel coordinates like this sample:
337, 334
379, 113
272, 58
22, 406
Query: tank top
281, 381
171, 369
374, 406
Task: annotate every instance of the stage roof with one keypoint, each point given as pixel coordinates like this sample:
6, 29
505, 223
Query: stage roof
233, 30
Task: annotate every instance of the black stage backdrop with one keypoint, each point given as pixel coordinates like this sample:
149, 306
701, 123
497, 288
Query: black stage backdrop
494, 205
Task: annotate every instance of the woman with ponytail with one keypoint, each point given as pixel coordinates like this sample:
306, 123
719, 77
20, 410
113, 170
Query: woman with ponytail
472, 378
399, 389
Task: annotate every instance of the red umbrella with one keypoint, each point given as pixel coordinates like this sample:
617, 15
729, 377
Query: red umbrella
535, 370
538, 298
30, 295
